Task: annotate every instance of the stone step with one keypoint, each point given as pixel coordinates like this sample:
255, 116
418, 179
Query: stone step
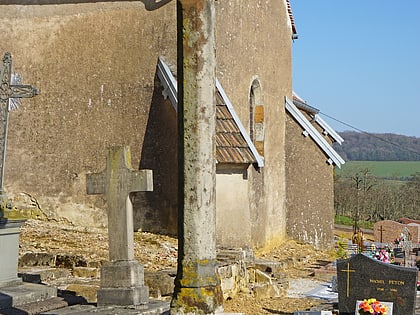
36, 307
24, 293
154, 307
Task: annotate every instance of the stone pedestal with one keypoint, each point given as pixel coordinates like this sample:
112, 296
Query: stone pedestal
122, 283
9, 249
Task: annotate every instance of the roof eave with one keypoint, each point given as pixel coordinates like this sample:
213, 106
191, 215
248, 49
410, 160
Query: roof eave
309, 129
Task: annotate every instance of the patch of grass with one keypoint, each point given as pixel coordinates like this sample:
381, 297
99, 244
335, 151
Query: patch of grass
381, 169
343, 220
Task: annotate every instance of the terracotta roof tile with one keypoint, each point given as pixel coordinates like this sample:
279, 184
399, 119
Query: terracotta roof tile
292, 19
231, 146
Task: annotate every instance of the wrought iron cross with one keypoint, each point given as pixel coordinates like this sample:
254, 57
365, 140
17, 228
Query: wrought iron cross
8, 91
381, 229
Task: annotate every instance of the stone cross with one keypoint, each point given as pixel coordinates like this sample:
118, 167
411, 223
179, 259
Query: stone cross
122, 278
8, 91
407, 245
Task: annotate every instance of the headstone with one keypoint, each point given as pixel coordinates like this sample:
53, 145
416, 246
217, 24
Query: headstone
387, 231
122, 278
197, 285
9, 232
408, 221
12, 289
9, 244
361, 277
414, 229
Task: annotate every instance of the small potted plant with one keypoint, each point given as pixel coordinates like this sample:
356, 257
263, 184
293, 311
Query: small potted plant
372, 307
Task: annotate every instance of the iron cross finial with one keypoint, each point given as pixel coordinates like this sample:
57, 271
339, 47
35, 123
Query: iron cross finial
7, 89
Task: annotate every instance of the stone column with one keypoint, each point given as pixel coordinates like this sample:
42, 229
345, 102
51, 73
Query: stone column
197, 285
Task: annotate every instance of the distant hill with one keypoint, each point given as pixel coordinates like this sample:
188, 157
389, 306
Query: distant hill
378, 147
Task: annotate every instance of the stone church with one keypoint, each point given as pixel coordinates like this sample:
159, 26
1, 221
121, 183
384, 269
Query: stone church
106, 74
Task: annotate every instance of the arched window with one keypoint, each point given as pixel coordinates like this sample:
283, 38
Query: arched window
256, 116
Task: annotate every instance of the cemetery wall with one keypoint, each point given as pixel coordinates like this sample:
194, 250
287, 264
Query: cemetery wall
310, 191
95, 66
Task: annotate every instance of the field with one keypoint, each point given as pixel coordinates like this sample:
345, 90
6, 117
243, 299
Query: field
381, 169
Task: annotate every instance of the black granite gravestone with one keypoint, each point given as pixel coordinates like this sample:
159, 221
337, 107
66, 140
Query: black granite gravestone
361, 277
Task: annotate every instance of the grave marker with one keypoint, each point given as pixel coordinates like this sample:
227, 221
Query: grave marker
9, 232
8, 92
122, 278
387, 231
361, 277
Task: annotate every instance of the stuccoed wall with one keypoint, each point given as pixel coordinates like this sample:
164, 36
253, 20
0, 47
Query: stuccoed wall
233, 225
310, 189
95, 66
254, 42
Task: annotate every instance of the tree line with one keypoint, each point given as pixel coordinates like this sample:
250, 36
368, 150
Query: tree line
378, 147
364, 197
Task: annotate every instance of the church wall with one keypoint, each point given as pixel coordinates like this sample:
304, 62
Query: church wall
157, 211
233, 222
310, 190
254, 43
95, 67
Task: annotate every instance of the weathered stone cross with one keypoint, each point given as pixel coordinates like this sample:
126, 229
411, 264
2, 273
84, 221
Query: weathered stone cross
8, 91
122, 278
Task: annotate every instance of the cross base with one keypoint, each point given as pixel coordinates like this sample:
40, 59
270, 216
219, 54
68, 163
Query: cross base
123, 296
122, 283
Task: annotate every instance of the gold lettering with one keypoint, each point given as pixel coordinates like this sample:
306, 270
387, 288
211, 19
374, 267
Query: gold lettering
393, 290
380, 289
379, 281
396, 282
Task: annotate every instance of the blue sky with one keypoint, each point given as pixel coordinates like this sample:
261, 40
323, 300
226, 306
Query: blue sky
359, 62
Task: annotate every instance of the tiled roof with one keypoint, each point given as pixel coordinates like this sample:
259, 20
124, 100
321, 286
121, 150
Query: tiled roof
292, 19
303, 105
231, 146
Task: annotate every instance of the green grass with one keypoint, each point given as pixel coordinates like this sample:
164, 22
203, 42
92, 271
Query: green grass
381, 169
343, 220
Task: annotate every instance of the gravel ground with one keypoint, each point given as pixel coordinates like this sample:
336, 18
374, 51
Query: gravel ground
159, 252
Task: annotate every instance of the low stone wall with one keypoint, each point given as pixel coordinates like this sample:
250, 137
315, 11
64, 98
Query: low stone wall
238, 269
